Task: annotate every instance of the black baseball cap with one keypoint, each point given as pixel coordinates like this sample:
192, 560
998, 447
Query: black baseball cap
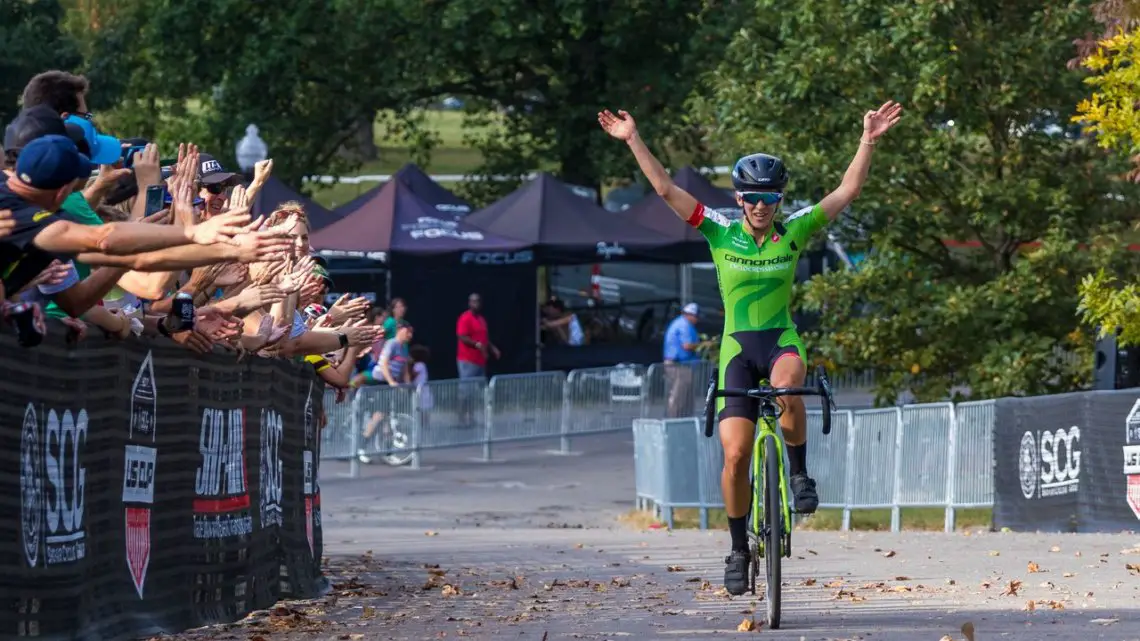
211, 172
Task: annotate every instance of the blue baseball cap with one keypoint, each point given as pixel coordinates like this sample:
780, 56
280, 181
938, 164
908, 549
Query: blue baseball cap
105, 150
51, 162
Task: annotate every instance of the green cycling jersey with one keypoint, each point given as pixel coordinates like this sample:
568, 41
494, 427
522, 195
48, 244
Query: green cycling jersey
756, 281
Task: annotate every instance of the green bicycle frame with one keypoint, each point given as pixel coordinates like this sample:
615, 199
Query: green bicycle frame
766, 428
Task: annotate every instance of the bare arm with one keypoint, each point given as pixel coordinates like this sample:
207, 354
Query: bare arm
118, 239
85, 295
624, 128
342, 373
875, 124
172, 259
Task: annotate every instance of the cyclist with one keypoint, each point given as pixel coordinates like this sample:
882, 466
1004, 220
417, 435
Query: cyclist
756, 259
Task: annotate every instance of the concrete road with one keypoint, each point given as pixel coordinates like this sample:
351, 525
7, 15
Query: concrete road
527, 548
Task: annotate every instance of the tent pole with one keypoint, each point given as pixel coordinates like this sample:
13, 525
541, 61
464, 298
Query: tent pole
686, 278
538, 278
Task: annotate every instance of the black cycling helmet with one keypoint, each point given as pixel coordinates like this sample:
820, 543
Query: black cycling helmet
759, 172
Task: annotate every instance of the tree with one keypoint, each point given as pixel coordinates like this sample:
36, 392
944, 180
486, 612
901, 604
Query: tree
310, 75
1110, 114
31, 41
982, 157
540, 72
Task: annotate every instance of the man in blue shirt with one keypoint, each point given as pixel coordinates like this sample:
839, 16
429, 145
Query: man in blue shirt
681, 342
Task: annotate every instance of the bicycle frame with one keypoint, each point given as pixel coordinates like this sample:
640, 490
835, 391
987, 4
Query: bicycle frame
768, 427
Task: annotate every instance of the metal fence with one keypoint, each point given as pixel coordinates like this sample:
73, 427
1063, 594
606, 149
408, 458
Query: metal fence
937, 455
399, 424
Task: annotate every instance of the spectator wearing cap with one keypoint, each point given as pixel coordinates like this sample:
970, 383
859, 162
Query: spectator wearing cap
213, 182
681, 343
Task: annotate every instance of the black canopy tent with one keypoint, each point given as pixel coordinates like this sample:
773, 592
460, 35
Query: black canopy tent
420, 184
563, 228
275, 193
434, 263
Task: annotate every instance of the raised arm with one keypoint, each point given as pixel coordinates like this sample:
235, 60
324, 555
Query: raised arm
624, 128
875, 124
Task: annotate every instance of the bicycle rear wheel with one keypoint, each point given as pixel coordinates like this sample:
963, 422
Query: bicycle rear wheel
399, 441
773, 530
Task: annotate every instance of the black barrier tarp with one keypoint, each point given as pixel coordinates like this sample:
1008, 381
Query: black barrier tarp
150, 490
1060, 462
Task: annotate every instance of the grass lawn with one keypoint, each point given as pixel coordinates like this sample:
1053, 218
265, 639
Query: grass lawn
917, 518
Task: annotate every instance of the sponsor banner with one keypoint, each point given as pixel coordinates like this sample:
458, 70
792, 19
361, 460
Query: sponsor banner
173, 490
1058, 462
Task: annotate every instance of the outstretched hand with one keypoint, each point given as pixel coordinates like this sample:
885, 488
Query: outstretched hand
620, 126
878, 122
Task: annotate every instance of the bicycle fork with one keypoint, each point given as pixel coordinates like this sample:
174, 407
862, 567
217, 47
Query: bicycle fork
765, 431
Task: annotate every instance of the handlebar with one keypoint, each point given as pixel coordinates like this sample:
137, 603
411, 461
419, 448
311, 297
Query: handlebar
767, 392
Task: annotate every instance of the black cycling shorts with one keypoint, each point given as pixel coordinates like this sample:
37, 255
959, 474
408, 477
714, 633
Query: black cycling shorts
746, 358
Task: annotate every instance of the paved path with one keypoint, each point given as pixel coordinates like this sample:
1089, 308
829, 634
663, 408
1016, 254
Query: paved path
527, 549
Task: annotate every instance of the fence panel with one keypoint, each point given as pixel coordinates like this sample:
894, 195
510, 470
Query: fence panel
873, 455
524, 406
603, 399
451, 413
676, 390
973, 460
648, 456
338, 438
827, 457
923, 452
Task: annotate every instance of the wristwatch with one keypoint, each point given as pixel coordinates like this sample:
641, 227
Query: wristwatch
343, 339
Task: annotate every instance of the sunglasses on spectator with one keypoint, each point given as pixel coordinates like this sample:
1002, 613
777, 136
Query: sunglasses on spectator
86, 115
757, 197
216, 188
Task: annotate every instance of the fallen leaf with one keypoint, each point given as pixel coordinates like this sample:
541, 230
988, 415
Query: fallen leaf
351, 637
578, 546
675, 568
695, 579
1055, 548
1033, 567
1056, 605
620, 582
1077, 553
1030, 606
747, 625
1132, 567
1104, 621
889, 554
369, 612
1068, 575
968, 630
946, 637
1048, 585
449, 590
1012, 588
809, 582
813, 553
902, 578
951, 582
599, 587
431, 533
437, 572
833, 584
901, 588
995, 553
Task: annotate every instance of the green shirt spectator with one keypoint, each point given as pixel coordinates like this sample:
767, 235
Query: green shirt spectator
76, 205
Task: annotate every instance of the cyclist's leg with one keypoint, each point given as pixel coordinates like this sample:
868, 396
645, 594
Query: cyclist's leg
737, 430
789, 370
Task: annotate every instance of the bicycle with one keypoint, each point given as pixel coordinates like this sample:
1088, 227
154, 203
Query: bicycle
770, 528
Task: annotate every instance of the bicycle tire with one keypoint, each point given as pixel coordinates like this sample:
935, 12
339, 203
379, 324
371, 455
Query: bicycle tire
773, 520
399, 440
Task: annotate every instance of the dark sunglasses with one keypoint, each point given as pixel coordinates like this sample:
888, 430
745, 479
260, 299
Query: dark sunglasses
216, 188
86, 115
757, 197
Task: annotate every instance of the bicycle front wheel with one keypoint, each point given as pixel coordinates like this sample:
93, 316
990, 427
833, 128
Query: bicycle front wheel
399, 441
774, 530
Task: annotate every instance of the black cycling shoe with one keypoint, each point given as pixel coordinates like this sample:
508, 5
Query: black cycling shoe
736, 572
803, 488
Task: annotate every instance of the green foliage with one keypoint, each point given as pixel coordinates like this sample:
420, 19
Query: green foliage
920, 314
31, 41
1109, 306
1110, 112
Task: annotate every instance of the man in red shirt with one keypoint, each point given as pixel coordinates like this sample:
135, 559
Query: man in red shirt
474, 340
471, 355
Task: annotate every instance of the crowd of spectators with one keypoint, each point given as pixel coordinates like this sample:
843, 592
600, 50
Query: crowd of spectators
107, 237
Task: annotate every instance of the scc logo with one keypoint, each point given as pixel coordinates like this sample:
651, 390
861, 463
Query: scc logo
1049, 462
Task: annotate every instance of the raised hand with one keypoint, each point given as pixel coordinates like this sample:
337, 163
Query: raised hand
266, 272
219, 229
256, 246
344, 310
362, 336
620, 126
878, 122
148, 169
7, 223
215, 325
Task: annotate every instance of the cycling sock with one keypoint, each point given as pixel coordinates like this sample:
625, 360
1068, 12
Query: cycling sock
797, 458
738, 528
